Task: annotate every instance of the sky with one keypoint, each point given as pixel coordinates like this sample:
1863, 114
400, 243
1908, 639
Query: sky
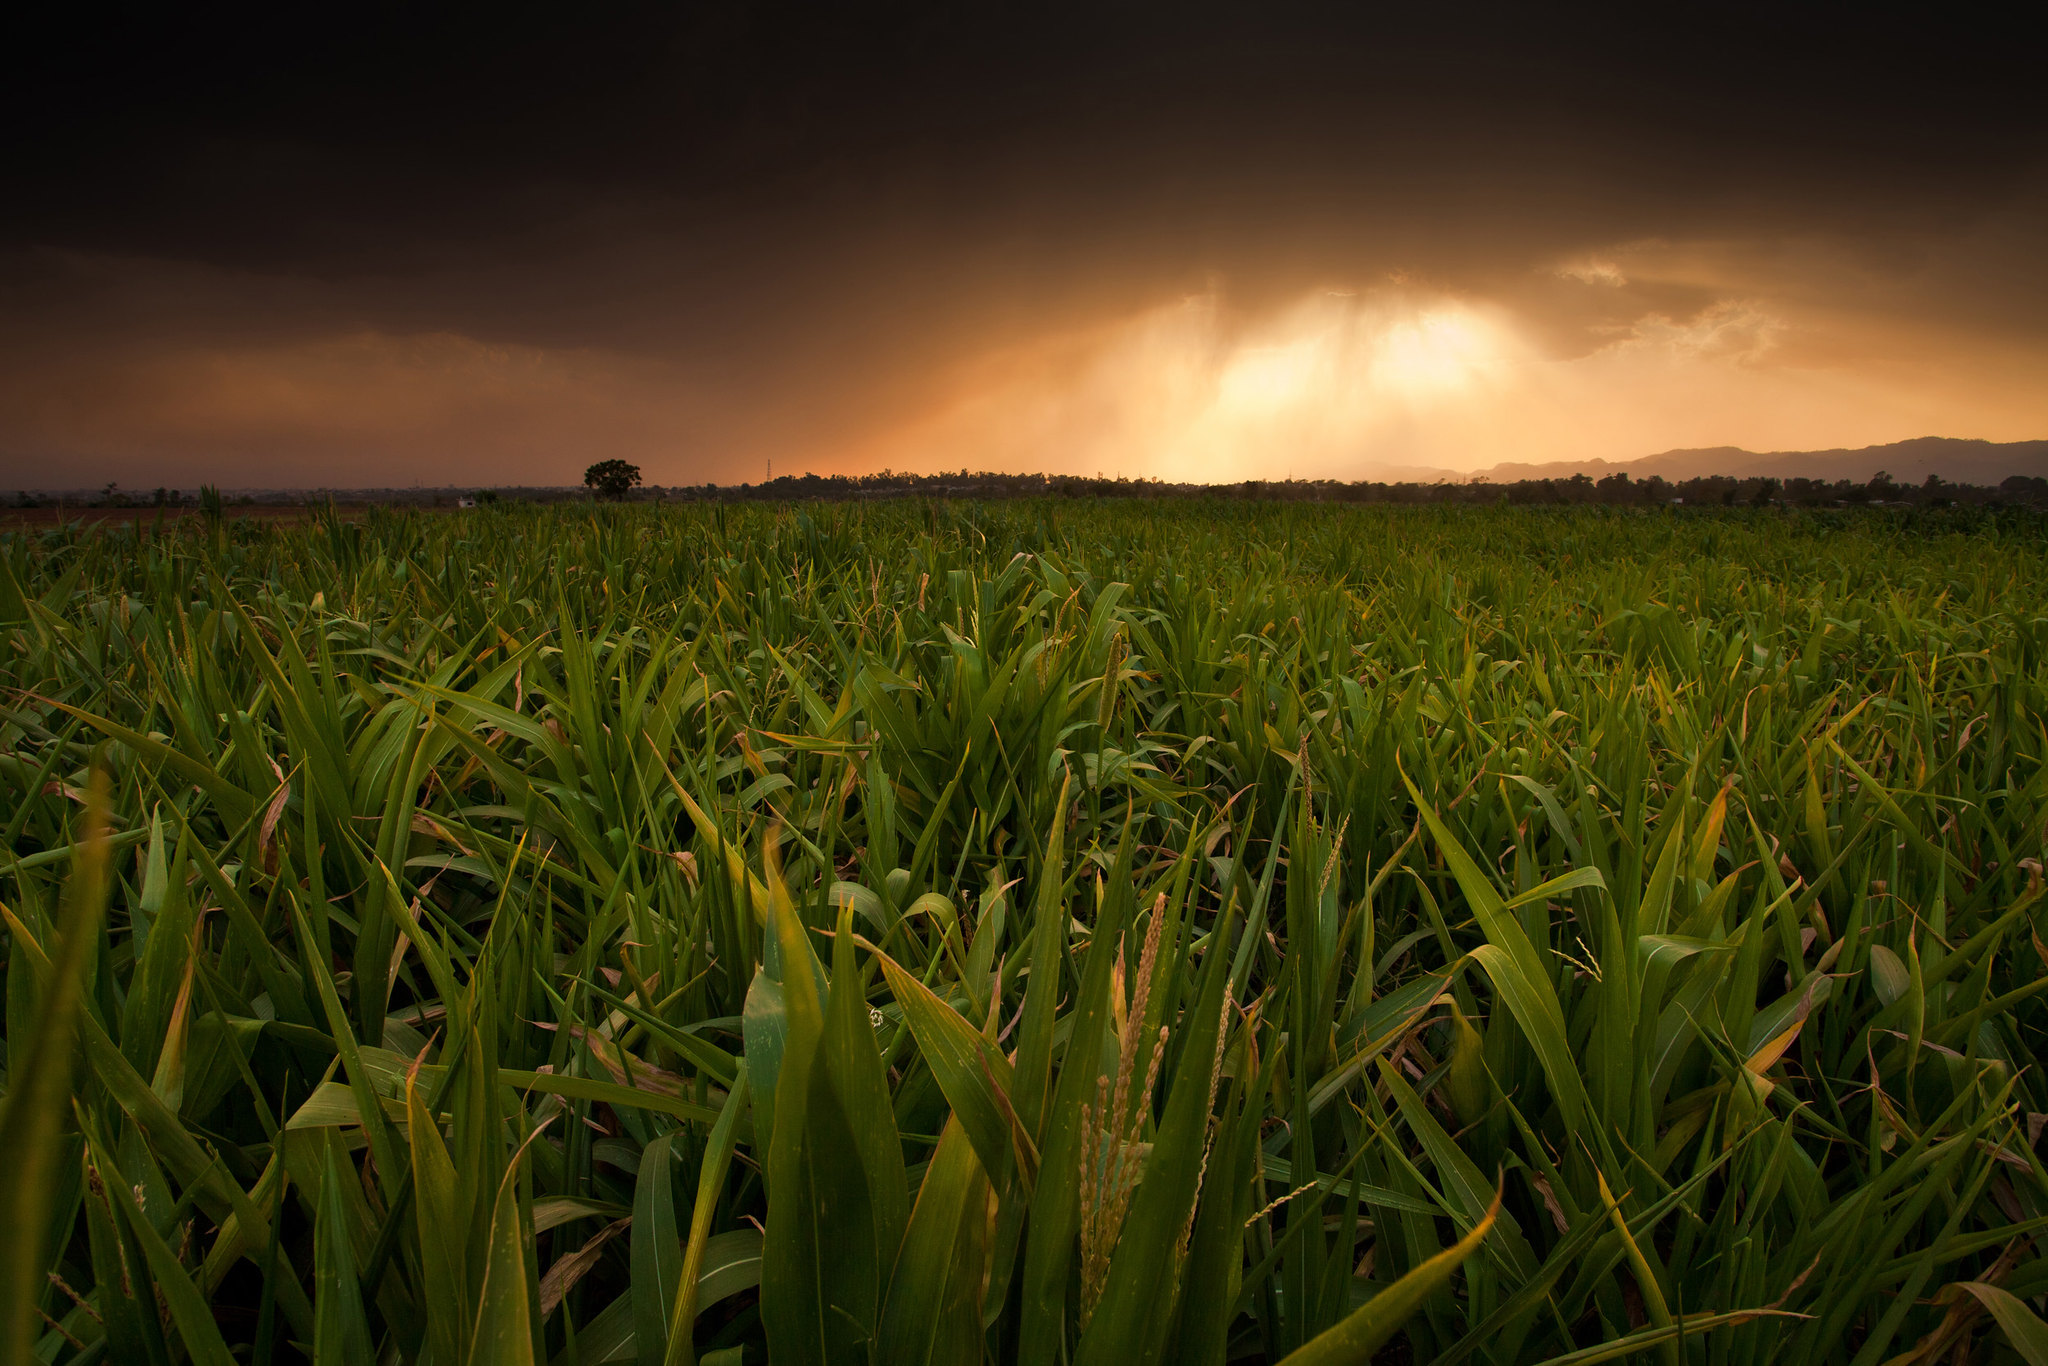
491, 244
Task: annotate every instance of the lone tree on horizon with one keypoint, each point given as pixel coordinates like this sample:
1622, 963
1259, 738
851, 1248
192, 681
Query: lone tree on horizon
612, 478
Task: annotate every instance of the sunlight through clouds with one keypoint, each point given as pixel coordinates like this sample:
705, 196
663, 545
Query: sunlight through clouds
1399, 382
1613, 355
1184, 392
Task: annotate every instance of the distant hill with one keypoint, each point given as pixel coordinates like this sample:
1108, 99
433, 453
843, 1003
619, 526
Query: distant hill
1908, 462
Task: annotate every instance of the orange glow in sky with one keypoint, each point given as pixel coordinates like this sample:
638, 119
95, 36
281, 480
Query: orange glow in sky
1583, 358
1400, 380
1184, 242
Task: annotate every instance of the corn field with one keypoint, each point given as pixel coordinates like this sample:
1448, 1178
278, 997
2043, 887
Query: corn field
1024, 933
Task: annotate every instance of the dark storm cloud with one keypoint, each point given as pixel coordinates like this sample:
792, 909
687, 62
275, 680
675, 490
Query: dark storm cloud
756, 229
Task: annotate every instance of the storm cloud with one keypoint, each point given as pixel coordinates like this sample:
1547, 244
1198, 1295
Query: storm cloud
491, 244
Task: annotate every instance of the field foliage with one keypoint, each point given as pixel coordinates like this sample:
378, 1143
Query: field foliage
1025, 933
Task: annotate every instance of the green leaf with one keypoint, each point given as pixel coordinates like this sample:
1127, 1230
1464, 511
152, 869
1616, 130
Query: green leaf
732, 1264
689, 1290
1648, 1286
839, 1202
1041, 994
1366, 1329
795, 1306
235, 804
1576, 880
933, 1312
1534, 1006
1518, 973
1466, 1084
764, 1026
440, 1205
657, 1250
2021, 1326
972, 1074
132, 1333
1888, 975
189, 1311
1645, 1338
1216, 1245
853, 1066
341, 1330
607, 1092
39, 1085
1471, 1200
504, 1331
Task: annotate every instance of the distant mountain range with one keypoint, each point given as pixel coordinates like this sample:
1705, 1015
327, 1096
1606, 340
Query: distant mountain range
1908, 462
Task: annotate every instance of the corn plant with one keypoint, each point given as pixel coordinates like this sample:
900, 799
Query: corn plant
1024, 933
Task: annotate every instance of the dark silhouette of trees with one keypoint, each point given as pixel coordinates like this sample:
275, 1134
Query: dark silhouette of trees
612, 479
1617, 490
